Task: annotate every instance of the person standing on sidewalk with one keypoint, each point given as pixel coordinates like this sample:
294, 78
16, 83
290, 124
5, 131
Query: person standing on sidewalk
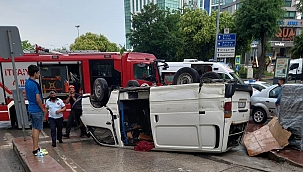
75, 113
55, 107
281, 82
35, 107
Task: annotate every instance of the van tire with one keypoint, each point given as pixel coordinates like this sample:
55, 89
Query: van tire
186, 75
259, 116
211, 75
290, 77
100, 90
132, 83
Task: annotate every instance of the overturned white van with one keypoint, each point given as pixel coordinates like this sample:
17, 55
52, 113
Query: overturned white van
205, 117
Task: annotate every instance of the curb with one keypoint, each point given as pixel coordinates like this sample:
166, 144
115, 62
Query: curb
273, 155
33, 163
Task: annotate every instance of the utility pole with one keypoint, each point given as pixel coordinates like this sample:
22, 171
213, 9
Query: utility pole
77, 26
217, 30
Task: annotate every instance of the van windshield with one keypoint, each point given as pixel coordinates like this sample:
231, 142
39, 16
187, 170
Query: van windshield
235, 76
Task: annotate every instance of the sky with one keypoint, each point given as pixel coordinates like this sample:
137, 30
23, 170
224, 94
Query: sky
51, 23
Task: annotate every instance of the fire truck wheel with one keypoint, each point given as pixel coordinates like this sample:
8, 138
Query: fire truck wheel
186, 75
132, 83
100, 90
211, 75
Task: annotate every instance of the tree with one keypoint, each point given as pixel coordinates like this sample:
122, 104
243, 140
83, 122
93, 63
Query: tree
198, 32
297, 50
122, 49
155, 30
257, 20
299, 6
91, 41
26, 45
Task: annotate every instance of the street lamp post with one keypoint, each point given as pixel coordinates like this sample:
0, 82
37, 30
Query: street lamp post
77, 26
217, 30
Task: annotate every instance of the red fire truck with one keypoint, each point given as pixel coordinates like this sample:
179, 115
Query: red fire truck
80, 69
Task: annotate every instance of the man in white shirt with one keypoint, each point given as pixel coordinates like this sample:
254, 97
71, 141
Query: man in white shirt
55, 107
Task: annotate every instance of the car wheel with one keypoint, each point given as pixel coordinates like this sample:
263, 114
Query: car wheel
259, 116
290, 77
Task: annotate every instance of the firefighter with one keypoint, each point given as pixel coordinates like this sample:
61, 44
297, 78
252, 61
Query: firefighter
75, 113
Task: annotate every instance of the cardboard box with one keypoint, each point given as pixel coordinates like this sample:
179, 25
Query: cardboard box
269, 137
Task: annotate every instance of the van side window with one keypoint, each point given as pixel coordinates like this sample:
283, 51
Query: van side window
294, 66
274, 92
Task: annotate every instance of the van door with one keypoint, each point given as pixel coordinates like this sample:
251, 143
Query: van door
174, 117
101, 121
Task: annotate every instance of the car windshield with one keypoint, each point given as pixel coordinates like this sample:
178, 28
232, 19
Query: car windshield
235, 76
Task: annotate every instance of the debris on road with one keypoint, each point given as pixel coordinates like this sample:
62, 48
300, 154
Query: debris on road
269, 137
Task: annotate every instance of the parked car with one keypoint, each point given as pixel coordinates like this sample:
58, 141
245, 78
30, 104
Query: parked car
263, 103
258, 86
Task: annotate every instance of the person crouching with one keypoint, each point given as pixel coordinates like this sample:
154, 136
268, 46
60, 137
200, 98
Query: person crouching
55, 107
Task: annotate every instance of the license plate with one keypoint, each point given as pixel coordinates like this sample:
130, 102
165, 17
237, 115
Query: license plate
241, 104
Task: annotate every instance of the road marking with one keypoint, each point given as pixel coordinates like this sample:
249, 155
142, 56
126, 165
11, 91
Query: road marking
68, 161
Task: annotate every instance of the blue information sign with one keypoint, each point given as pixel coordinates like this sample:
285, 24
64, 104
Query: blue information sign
226, 44
226, 37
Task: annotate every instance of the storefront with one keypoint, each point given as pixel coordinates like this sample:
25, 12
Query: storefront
282, 43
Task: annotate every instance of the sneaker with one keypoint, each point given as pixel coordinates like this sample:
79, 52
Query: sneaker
54, 144
60, 141
66, 135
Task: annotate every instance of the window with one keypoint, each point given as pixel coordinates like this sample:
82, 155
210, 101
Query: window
290, 14
287, 3
142, 71
102, 69
275, 92
294, 66
258, 87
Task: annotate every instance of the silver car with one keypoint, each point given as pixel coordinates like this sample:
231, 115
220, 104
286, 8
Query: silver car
263, 104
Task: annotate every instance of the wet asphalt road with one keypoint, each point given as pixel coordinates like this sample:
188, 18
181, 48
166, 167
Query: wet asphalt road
83, 154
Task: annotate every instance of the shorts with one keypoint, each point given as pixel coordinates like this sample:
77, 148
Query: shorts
37, 120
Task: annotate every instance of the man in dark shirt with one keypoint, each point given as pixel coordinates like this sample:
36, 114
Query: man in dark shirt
75, 113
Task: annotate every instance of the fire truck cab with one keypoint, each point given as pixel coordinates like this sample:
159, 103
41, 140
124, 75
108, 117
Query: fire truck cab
81, 69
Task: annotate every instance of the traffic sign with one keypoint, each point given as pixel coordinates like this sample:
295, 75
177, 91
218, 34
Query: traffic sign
226, 44
237, 68
226, 50
223, 37
220, 55
238, 60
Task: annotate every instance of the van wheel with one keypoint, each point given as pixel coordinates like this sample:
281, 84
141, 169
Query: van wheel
259, 116
211, 75
132, 83
100, 90
186, 75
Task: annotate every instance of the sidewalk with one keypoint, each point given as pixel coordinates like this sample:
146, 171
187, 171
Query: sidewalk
32, 163
292, 156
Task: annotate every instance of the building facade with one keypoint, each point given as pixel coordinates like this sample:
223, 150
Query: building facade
290, 26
